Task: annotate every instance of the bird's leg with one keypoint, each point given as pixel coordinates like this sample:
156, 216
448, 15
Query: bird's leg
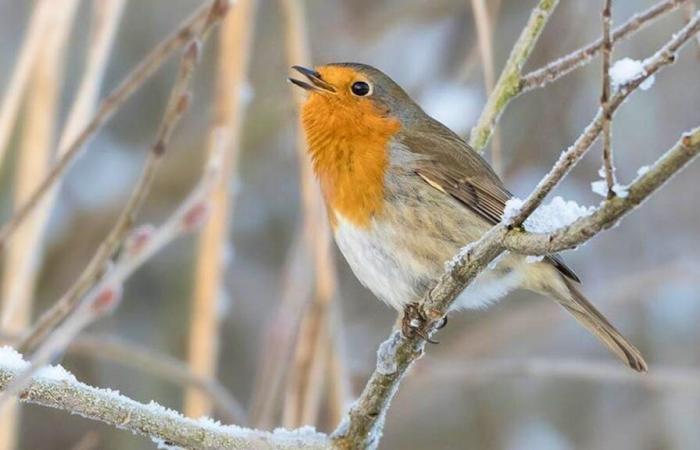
415, 322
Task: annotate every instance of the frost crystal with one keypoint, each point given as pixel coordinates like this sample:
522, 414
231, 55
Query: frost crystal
628, 69
550, 217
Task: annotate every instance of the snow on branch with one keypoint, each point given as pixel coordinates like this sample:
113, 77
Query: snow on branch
55, 387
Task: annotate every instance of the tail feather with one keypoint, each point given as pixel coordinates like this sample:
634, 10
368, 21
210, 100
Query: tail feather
592, 319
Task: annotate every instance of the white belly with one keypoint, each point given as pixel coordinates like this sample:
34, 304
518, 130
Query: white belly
384, 264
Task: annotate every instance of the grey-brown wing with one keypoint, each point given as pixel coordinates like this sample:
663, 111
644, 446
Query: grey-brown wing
448, 164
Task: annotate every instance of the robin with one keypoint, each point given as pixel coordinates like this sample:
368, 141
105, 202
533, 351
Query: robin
404, 194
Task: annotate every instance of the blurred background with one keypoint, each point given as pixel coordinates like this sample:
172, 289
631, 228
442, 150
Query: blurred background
516, 376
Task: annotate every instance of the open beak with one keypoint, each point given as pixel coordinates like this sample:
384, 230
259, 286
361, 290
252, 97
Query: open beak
317, 84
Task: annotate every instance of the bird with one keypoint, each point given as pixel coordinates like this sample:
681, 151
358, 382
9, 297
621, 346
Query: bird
404, 194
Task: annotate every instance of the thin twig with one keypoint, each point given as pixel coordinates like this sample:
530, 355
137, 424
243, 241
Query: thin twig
566, 64
229, 92
106, 15
154, 421
140, 246
608, 161
613, 209
663, 57
177, 104
197, 25
508, 85
683, 379
485, 40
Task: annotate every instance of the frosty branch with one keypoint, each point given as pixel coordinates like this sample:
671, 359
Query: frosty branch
363, 425
56, 388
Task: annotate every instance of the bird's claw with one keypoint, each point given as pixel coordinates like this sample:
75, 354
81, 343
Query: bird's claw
415, 323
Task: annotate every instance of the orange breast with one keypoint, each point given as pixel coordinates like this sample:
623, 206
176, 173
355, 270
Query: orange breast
349, 145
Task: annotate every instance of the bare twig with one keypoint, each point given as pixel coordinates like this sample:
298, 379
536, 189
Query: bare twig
362, 427
154, 421
234, 51
608, 162
485, 39
177, 104
663, 57
563, 66
197, 25
508, 85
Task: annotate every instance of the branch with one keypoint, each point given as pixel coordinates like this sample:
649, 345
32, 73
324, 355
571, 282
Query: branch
362, 427
605, 100
198, 24
56, 388
663, 57
91, 275
508, 84
612, 210
563, 66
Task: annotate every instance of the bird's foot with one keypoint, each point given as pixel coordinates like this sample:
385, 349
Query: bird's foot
416, 323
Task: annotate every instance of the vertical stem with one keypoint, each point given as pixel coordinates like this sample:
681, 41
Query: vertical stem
608, 163
45, 76
234, 50
305, 384
21, 74
485, 37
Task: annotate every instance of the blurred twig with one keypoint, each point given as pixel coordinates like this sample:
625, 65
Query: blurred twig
90, 284
16, 86
479, 371
508, 84
197, 25
484, 32
305, 382
564, 65
608, 161
229, 94
37, 139
177, 104
140, 246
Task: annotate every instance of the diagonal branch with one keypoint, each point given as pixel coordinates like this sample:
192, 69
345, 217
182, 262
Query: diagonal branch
566, 64
58, 389
197, 25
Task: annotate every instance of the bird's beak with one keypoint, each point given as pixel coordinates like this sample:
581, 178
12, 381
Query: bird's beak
317, 83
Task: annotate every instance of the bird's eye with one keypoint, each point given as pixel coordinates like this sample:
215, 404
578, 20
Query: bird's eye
360, 88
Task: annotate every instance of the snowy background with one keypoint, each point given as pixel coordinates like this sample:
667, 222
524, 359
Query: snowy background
644, 274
